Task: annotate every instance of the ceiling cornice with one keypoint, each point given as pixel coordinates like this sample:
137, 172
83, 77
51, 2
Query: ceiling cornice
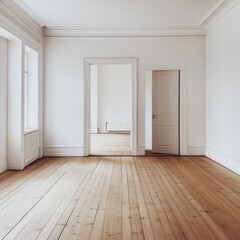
124, 32
216, 13
23, 6
11, 11
220, 11
213, 12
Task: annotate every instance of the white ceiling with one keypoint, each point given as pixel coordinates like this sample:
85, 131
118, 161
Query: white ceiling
90, 14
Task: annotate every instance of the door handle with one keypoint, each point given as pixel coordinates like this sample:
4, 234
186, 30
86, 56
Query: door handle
154, 116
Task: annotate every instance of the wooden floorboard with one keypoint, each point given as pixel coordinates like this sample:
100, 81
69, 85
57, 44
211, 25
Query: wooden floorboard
120, 197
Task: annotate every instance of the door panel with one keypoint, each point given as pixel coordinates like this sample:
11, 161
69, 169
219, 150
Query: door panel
165, 107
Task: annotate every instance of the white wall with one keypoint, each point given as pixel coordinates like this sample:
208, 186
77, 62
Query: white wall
3, 104
114, 96
110, 97
223, 92
63, 83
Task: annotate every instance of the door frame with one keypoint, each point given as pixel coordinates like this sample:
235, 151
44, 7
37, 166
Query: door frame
87, 62
156, 80
183, 104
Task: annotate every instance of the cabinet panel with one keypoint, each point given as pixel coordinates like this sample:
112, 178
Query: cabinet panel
31, 147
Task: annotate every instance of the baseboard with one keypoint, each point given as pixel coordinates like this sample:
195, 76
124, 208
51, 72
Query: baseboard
148, 143
29, 161
64, 151
227, 161
15, 167
196, 151
3, 166
140, 151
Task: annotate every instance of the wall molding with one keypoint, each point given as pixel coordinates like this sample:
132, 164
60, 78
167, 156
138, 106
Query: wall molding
213, 12
15, 20
223, 159
196, 151
60, 151
26, 9
15, 167
30, 160
124, 32
3, 165
220, 11
75, 151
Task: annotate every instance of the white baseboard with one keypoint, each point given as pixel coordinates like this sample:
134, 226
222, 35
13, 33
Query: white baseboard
140, 151
29, 161
63, 151
196, 151
148, 143
15, 167
3, 166
227, 161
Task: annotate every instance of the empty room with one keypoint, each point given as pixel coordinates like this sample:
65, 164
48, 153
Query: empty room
119, 119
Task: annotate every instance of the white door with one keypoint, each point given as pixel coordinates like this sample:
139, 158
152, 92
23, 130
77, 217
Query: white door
165, 112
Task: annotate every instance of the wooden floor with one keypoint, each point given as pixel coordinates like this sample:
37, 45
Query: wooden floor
110, 144
120, 198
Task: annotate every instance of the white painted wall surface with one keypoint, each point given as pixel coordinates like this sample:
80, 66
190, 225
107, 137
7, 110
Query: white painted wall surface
223, 93
63, 82
114, 95
3, 104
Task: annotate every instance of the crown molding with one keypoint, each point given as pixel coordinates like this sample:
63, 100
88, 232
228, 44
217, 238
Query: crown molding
29, 12
124, 32
213, 12
16, 15
220, 11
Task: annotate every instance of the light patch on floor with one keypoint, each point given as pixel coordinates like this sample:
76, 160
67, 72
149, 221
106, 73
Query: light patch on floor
110, 144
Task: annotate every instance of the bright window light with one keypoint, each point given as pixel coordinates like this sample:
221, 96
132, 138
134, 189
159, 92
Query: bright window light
30, 89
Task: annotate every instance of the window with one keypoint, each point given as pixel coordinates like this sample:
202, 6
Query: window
26, 91
30, 89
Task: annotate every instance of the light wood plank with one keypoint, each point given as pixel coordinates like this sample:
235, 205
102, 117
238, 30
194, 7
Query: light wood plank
101, 211
106, 197
145, 218
126, 222
136, 224
112, 220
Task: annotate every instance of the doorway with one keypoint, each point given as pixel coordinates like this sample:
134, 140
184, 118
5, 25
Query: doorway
109, 106
110, 109
164, 112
